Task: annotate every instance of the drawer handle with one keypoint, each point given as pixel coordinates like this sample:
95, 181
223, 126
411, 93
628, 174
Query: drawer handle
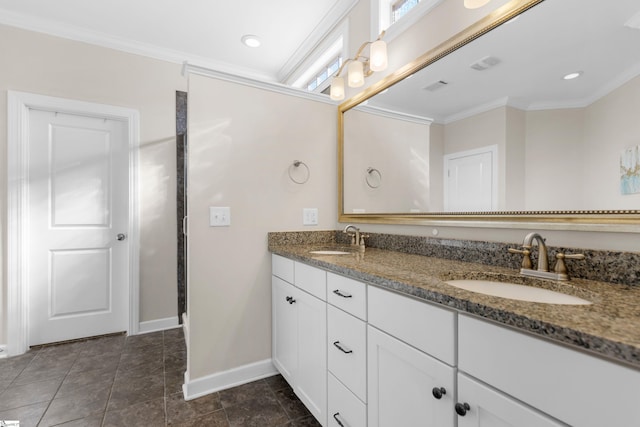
335, 417
438, 392
339, 347
290, 300
462, 408
340, 294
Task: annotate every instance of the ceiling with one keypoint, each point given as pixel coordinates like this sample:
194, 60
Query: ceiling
556, 37
206, 33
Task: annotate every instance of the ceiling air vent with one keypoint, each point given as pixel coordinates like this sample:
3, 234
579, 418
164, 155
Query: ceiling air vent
484, 63
435, 86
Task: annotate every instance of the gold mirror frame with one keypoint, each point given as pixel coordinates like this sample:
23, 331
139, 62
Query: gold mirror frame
600, 220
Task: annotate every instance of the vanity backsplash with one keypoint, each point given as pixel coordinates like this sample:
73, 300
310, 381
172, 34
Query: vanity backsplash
608, 266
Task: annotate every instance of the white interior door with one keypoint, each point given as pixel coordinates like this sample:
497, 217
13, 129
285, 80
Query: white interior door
471, 181
78, 219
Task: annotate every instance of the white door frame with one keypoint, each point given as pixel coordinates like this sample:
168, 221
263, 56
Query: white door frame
19, 104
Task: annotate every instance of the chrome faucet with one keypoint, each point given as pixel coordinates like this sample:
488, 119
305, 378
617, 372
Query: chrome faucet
355, 238
543, 257
560, 269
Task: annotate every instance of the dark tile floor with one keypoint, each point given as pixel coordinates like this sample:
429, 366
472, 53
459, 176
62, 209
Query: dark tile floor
133, 381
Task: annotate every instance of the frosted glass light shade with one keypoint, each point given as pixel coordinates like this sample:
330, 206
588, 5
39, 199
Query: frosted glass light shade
474, 4
378, 61
355, 74
337, 89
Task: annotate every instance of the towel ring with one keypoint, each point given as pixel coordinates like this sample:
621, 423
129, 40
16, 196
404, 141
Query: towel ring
294, 166
373, 177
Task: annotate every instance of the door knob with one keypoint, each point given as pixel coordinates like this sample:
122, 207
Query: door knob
121, 237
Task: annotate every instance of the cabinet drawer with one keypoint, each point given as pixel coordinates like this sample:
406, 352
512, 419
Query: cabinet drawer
311, 279
282, 267
347, 350
344, 406
569, 385
347, 294
420, 324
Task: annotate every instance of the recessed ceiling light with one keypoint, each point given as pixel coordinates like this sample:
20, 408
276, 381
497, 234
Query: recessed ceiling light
250, 40
475, 4
572, 76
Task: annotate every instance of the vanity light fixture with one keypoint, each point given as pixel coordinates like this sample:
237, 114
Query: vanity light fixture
475, 4
572, 76
360, 67
250, 40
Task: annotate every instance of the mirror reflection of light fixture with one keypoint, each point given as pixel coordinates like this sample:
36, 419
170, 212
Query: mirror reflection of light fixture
474, 4
360, 67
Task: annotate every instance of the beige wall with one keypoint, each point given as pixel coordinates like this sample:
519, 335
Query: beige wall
242, 142
512, 191
554, 159
33, 62
384, 143
610, 125
573, 155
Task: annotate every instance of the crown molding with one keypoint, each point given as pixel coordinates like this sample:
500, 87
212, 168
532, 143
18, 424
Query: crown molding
255, 83
74, 33
383, 112
603, 91
329, 22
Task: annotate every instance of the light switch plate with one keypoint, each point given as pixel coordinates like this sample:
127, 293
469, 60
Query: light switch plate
310, 216
219, 216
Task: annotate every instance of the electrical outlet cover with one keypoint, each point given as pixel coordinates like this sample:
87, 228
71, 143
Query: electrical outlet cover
219, 216
310, 216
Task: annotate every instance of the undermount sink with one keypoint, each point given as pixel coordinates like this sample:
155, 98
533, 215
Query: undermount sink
329, 252
517, 292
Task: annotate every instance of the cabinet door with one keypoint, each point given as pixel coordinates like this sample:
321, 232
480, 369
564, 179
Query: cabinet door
284, 328
401, 380
489, 408
311, 378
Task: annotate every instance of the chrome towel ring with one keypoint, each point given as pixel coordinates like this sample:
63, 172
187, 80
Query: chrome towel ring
373, 177
294, 169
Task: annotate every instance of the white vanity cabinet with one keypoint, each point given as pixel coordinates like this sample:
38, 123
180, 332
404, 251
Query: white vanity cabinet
299, 331
407, 385
568, 385
358, 355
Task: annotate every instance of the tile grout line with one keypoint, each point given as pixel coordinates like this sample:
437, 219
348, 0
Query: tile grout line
289, 418
115, 375
57, 390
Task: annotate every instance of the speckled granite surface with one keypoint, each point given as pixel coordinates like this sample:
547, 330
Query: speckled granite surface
609, 327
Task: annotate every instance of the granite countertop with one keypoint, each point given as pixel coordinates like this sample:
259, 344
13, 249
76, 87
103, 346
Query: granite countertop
609, 327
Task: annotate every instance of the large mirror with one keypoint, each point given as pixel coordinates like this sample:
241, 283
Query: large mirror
486, 128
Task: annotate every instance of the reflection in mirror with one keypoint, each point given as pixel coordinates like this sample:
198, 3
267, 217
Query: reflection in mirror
494, 126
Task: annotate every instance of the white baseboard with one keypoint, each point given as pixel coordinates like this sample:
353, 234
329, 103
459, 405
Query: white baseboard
227, 379
3, 351
158, 325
